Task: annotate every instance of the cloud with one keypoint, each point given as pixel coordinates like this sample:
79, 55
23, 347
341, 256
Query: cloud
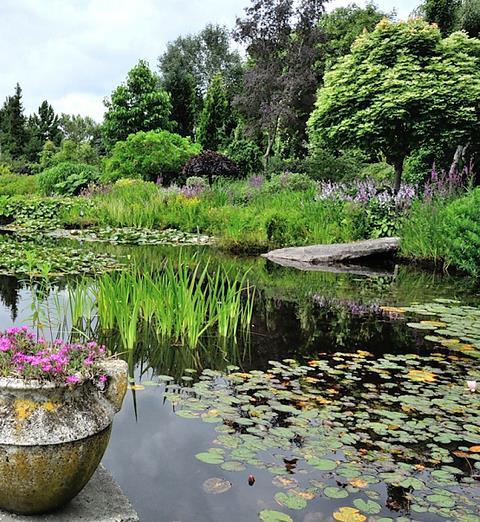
75, 52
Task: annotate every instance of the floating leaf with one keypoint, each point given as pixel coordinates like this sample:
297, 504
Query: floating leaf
334, 492
369, 507
268, 515
349, 514
215, 486
290, 500
210, 458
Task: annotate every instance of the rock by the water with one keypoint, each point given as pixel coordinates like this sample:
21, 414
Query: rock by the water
299, 257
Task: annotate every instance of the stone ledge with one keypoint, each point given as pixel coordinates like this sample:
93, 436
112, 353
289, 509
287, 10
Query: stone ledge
332, 254
101, 500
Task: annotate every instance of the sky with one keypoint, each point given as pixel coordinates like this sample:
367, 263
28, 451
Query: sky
75, 52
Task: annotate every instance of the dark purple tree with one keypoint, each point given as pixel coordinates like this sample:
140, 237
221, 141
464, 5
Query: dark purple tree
281, 38
211, 164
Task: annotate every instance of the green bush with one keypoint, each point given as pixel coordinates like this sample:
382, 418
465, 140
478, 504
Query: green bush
67, 178
293, 181
380, 172
17, 184
418, 166
322, 164
246, 154
461, 231
149, 156
68, 152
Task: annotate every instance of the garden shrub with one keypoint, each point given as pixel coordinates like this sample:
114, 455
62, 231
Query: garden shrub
323, 164
418, 166
17, 184
68, 152
212, 165
150, 156
196, 182
292, 181
379, 172
67, 179
461, 232
246, 154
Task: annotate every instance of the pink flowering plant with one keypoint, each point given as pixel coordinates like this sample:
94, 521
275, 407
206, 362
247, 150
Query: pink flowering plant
24, 356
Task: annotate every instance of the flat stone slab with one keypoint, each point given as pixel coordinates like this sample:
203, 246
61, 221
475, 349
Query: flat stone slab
332, 254
101, 500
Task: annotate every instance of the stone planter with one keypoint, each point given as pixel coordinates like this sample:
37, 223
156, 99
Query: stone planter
52, 438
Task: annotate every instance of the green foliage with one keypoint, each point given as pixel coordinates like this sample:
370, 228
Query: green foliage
139, 104
444, 13
401, 88
80, 129
461, 229
380, 172
67, 178
43, 127
149, 156
214, 123
342, 27
421, 232
17, 184
296, 182
69, 151
13, 131
469, 17
418, 166
246, 154
323, 164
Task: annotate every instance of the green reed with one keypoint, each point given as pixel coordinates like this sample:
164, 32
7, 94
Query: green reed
181, 302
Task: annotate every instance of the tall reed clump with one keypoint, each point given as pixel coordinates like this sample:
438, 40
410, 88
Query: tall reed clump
182, 304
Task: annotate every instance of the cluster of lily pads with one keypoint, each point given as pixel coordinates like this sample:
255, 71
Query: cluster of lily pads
455, 326
137, 236
392, 438
32, 258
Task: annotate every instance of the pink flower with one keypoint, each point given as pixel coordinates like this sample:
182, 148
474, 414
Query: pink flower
472, 386
5, 344
73, 379
102, 378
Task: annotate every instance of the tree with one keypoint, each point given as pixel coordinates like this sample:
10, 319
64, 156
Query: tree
342, 27
139, 104
80, 129
214, 123
469, 17
401, 88
13, 131
188, 66
281, 38
444, 13
42, 127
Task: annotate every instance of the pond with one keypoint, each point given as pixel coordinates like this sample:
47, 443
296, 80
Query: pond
346, 400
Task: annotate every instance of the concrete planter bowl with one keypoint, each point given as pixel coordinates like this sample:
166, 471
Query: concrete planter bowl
52, 438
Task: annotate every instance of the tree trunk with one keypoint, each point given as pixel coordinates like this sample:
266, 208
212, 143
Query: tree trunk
398, 165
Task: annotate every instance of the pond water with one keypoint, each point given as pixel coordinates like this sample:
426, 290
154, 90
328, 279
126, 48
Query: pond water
333, 408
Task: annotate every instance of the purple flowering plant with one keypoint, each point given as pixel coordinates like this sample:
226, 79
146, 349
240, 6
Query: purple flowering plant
25, 356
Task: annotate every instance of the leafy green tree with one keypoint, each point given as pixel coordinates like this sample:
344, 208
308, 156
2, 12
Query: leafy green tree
342, 27
42, 127
68, 152
188, 66
469, 17
444, 13
80, 129
139, 104
401, 88
183, 91
13, 129
214, 124
149, 156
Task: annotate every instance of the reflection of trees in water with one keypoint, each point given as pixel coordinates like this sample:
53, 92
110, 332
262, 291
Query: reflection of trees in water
9, 294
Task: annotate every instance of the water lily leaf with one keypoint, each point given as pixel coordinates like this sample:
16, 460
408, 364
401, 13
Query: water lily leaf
290, 500
369, 507
334, 492
349, 514
215, 486
267, 515
443, 501
325, 464
233, 466
210, 458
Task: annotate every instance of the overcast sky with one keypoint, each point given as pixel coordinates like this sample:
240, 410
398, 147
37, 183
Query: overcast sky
75, 52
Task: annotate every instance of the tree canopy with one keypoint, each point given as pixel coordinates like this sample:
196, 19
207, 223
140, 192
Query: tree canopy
402, 87
139, 104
